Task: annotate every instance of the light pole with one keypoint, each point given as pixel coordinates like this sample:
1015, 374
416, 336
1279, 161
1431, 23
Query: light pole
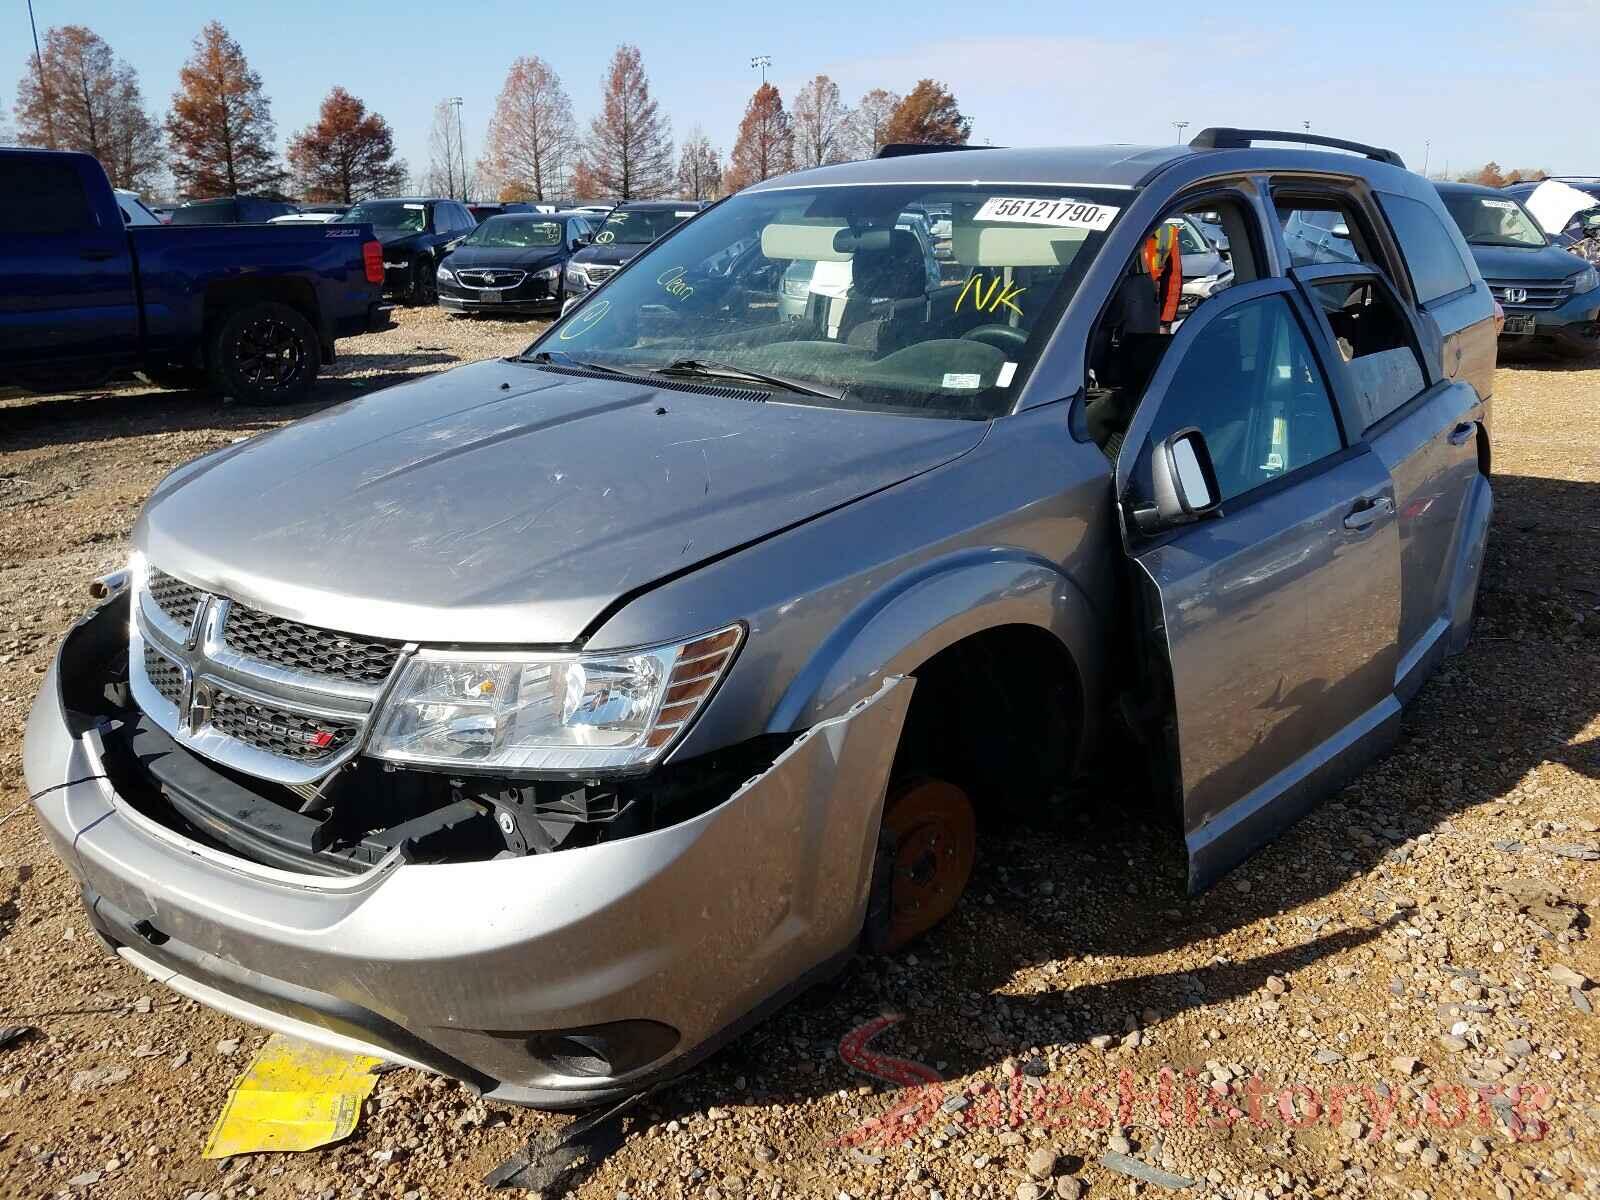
757, 62
461, 145
44, 89
1427, 154
1180, 126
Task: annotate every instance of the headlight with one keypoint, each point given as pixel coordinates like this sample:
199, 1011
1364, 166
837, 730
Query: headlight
548, 274
1585, 280
550, 712
797, 289
577, 276
445, 275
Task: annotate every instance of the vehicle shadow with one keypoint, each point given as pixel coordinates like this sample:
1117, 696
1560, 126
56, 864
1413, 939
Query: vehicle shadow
1045, 949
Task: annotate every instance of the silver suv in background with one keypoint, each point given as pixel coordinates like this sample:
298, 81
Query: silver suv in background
545, 722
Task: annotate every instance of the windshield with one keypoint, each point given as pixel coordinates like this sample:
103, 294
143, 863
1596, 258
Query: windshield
828, 295
515, 232
1190, 240
640, 226
1491, 221
401, 216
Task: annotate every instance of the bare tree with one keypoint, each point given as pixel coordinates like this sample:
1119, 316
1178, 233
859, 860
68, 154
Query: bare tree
532, 135
821, 124
447, 173
79, 96
870, 122
699, 168
629, 153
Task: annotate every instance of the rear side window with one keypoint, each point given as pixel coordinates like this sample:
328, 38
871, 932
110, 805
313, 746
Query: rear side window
1431, 255
39, 196
1375, 341
1318, 231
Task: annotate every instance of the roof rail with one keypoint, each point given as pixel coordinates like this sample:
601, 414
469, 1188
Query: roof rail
1243, 139
902, 149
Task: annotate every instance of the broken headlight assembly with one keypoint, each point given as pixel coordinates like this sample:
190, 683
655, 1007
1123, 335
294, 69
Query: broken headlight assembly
506, 712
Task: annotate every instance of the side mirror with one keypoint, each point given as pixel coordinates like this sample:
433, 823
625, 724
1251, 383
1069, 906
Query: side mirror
127, 218
1341, 230
582, 240
1184, 479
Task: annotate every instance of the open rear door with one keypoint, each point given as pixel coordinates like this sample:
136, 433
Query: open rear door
1277, 616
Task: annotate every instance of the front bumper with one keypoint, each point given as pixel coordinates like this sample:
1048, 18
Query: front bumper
534, 296
1573, 327
473, 970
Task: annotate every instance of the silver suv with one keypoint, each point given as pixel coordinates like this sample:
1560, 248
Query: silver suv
545, 722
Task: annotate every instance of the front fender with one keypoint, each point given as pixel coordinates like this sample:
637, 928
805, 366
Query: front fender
905, 623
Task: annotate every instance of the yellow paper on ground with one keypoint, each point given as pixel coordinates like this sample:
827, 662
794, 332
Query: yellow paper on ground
293, 1096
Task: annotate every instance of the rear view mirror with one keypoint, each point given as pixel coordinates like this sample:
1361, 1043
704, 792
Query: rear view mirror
1185, 482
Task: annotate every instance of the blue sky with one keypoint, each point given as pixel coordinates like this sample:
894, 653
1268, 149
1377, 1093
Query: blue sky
1475, 78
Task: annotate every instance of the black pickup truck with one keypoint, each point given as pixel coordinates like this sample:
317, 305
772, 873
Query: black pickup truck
251, 311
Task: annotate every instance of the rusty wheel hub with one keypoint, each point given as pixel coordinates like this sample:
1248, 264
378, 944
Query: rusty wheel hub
935, 839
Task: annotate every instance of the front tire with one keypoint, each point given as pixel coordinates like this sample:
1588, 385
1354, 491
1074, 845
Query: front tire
264, 353
425, 283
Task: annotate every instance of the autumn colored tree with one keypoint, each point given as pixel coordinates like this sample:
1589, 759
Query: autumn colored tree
821, 124
532, 135
929, 116
869, 122
220, 128
347, 154
629, 151
85, 98
1489, 175
765, 146
699, 168
584, 185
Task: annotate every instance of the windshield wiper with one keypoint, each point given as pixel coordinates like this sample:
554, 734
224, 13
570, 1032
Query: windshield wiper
560, 358
695, 366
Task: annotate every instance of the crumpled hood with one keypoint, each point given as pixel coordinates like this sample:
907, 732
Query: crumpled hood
503, 503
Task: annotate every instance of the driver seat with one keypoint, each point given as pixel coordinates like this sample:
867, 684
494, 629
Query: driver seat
888, 303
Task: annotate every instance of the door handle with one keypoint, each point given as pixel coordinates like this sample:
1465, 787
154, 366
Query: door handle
1368, 512
1462, 432
97, 255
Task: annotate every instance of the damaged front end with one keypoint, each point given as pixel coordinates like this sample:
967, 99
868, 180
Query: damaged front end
552, 942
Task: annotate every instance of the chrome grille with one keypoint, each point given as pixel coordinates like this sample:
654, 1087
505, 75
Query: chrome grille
277, 731
177, 599
296, 647
495, 280
165, 675
599, 273
1531, 294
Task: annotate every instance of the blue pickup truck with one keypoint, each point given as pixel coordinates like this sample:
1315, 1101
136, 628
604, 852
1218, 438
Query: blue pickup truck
249, 311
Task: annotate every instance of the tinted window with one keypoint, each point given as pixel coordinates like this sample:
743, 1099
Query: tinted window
1431, 256
1249, 383
207, 212
41, 196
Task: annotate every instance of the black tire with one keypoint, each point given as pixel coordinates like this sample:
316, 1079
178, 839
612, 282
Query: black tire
425, 283
263, 353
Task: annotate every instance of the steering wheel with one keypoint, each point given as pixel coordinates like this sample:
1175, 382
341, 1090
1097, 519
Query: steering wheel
1001, 337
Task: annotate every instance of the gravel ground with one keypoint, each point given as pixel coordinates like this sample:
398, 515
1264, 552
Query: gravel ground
1424, 934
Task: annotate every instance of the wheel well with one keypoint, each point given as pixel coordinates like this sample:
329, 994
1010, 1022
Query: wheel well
999, 712
222, 298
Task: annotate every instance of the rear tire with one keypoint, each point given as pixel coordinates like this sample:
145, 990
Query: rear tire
264, 353
425, 283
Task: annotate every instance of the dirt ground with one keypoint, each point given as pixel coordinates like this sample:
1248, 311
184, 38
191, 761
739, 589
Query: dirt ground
1393, 999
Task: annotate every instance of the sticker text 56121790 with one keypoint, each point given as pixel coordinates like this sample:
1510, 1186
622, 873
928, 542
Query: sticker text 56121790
1065, 212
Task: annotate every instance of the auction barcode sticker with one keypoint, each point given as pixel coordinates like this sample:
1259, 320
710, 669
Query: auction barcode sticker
1069, 214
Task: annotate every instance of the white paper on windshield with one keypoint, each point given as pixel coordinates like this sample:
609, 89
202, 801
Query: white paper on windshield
961, 380
1007, 371
690, 213
418, 207
1507, 204
1065, 213
1554, 203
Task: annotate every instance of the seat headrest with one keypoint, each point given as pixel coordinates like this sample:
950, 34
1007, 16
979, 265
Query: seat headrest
896, 271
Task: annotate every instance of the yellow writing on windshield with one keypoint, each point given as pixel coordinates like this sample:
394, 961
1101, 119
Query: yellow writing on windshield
999, 294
